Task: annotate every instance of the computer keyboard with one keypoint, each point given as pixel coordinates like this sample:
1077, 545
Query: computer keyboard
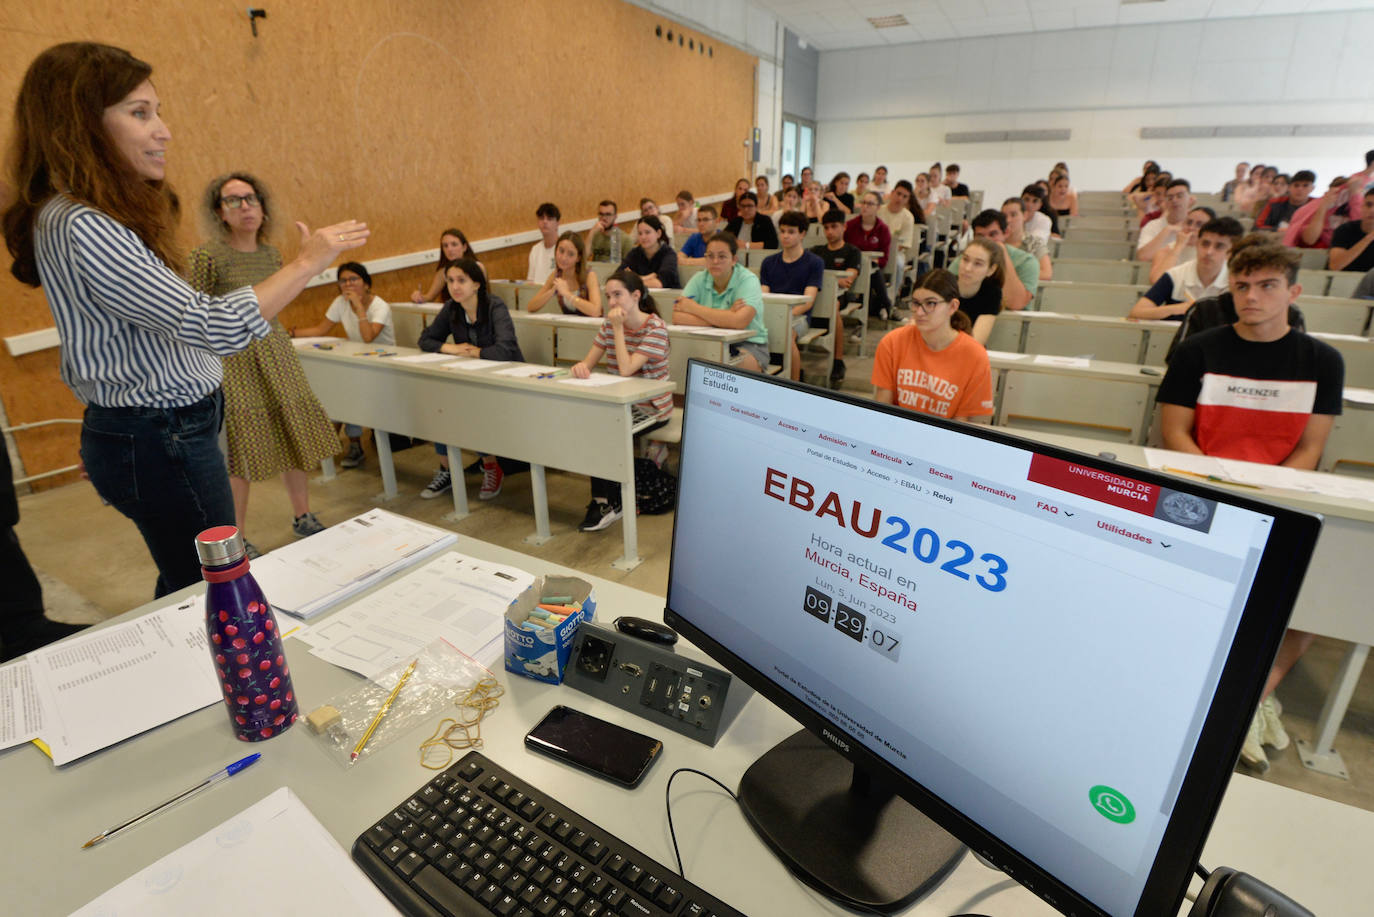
478, 840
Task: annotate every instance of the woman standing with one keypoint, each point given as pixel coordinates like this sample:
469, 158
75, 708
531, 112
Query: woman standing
365, 317
93, 223
481, 327
452, 246
933, 366
634, 341
577, 289
274, 423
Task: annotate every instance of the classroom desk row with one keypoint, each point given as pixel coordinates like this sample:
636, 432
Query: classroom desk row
1334, 599
1312, 849
555, 423
1339, 284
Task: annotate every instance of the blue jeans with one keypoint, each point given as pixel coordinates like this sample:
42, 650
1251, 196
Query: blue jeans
162, 468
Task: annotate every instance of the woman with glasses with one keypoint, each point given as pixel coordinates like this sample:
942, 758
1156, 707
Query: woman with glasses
576, 288
727, 295
273, 421
93, 222
933, 366
365, 317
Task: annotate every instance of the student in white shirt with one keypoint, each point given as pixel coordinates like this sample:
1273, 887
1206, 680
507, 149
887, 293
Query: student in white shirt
1176, 291
365, 317
541, 255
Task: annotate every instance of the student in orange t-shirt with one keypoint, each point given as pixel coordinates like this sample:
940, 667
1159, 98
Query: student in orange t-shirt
934, 366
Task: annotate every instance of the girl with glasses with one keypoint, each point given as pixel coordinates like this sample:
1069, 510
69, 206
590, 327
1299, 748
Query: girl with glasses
273, 422
933, 366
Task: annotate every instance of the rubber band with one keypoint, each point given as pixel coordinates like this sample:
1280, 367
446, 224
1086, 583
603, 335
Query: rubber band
464, 731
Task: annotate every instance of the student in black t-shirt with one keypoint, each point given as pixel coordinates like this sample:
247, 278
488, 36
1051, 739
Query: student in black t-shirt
839, 255
957, 189
653, 257
1350, 243
980, 285
837, 194
797, 271
752, 229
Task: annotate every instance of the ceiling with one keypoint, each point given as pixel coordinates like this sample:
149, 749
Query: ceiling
832, 24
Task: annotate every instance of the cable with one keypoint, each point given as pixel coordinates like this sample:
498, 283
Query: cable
1203, 872
668, 804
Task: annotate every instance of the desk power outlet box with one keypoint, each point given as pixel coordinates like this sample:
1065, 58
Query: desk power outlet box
655, 682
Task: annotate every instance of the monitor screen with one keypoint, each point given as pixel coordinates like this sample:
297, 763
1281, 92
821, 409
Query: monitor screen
1054, 656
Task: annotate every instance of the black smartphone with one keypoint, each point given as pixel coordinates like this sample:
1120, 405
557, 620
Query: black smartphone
607, 750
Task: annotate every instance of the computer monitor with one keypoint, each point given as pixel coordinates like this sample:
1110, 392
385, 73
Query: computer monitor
1053, 656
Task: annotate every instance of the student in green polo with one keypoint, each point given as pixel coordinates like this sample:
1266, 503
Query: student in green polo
726, 295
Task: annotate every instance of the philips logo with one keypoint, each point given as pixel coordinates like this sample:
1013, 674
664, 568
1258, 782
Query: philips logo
834, 739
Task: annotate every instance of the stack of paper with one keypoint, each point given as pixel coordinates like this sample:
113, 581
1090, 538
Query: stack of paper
454, 597
295, 867
96, 689
1234, 471
318, 572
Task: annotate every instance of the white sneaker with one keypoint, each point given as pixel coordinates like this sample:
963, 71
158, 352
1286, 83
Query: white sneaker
1272, 732
1252, 752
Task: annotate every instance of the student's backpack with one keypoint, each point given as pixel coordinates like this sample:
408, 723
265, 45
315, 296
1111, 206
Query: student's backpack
655, 489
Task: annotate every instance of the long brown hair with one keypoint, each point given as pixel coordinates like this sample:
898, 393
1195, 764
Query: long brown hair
579, 269
60, 146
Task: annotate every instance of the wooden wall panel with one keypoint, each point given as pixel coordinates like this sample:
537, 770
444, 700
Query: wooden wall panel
412, 115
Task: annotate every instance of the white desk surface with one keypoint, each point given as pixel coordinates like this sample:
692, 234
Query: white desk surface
1314, 850
559, 320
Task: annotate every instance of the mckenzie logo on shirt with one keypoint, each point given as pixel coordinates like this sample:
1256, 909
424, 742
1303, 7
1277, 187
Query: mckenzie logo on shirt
1256, 420
942, 392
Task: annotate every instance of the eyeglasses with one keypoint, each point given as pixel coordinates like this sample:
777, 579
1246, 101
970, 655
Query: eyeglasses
927, 305
235, 201
608, 214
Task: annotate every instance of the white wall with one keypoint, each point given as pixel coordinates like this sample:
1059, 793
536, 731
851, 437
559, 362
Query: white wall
894, 105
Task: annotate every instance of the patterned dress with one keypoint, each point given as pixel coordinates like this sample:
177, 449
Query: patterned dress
272, 419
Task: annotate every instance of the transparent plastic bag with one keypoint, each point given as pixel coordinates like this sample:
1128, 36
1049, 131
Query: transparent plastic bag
443, 676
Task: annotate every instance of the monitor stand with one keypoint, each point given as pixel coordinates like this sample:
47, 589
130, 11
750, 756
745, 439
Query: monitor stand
839, 831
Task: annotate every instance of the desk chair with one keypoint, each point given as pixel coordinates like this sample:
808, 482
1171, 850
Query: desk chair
1341, 283
822, 342
1334, 315
777, 321
1088, 298
1096, 248
1114, 234
1072, 404
602, 270
1315, 258
1350, 447
856, 312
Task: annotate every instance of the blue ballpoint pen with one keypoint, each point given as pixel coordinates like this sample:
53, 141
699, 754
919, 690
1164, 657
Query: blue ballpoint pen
223, 773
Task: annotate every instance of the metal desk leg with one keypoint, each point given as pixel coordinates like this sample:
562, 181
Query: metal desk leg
630, 518
540, 493
1320, 755
460, 489
382, 440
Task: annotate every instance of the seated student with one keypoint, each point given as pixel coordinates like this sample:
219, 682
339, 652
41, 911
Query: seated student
1141, 181
880, 182
867, 233
1228, 190
1021, 274
896, 213
1280, 210
767, 204
1063, 199
694, 249
791, 202
480, 326
634, 340
861, 186
1205, 276
838, 255
923, 196
727, 295
932, 366
981, 270
1015, 213
647, 208
730, 209
750, 229
576, 288
957, 189
787, 181
452, 246
365, 317
1350, 248
1184, 246
541, 254
797, 271
653, 257
606, 241
1214, 311
1149, 198
1038, 222
813, 202
837, 194
937, 183
1313, 224
1249, 192
1257, 391
686, 211
1161, 231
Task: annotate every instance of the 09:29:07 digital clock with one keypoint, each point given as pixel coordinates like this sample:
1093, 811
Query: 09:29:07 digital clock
852, 623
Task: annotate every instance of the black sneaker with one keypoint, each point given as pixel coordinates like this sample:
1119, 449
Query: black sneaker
441, 483
355, 456
599, 515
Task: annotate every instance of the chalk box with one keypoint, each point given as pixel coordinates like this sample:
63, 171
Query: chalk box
543, 655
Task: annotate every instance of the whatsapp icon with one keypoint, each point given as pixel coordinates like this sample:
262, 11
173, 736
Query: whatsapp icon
1111, 804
